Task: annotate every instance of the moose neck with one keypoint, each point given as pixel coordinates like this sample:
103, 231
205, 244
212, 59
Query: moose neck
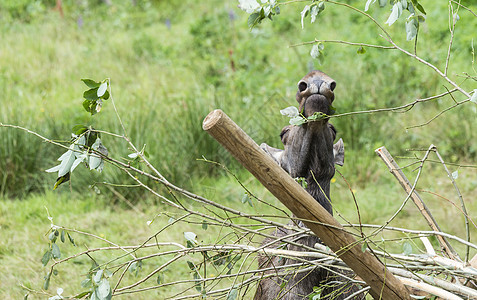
320, 162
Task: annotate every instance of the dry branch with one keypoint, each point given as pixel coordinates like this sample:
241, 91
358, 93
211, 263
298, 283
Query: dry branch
426, 213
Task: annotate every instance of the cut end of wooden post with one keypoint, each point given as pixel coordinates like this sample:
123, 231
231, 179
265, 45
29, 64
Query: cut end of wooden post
212, 118
379, 150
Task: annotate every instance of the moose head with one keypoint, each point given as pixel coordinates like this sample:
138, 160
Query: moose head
309, 151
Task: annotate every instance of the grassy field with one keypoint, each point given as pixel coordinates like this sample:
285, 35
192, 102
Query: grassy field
170, 64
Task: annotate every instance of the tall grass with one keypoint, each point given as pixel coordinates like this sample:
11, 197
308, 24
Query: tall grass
170, 64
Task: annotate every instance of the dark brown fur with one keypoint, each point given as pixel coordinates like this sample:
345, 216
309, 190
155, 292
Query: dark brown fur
309, 152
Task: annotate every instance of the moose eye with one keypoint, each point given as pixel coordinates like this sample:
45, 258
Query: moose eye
302, 86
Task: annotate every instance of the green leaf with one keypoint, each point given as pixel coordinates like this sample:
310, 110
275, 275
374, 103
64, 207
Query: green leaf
455, 175
364, 246
86, 105
86, 283
46, 285
54, 169
317, 116
248, 6
105, 96
91, 94
94, 296
55, 251
191, 265
67, 160
361, 50
315, 51
290, 112
79, 129
82, 295
246, 199
190, 236
314, 11
72, 241
102, 89
297, 121
368, 3
135, 267
160, 278
407, 248
474, 97
52, 236
62, 236
204, 225
254, 19
417, 5
97, 276
61, 180
395, 14
233, 294
91, 83
104, 289
412, 26
46, 257
303, 14
302, 182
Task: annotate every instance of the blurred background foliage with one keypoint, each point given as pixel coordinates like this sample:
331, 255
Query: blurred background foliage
171, 62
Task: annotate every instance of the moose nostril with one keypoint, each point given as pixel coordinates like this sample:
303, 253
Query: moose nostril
302, 86
332, 85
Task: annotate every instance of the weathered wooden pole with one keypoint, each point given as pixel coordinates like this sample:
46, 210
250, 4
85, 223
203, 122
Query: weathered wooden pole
406, 185
383, 284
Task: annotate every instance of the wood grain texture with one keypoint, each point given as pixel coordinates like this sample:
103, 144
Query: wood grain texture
383, 284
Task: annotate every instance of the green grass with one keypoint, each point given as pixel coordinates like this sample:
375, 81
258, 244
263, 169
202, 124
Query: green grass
165, 81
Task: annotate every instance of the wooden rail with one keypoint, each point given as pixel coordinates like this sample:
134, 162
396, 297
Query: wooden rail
383, 284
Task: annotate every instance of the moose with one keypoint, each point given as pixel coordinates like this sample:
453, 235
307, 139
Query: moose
308, 153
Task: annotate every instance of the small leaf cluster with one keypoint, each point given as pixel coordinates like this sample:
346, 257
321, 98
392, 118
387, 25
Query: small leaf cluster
136, 156
312, 10
53, 251
197, 278
297, 119
85, 147
316, 294
190, 239
135, 267
302, 182
225, 259
247, 199
97, 281
258, 12
317, 52
98, 91
398, 7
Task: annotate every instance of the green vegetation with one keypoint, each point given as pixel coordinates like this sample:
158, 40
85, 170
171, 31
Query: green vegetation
169, 65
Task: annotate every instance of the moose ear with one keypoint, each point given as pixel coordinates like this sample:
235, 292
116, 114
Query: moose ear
338, 152
275, 153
